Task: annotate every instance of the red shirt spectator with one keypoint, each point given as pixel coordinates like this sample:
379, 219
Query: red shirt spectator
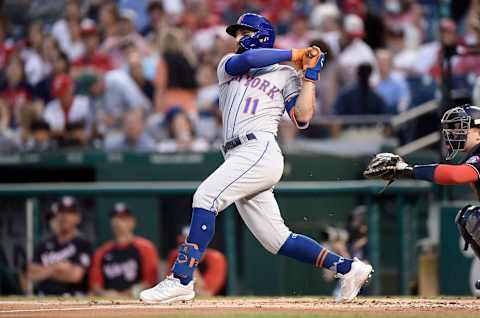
93, 59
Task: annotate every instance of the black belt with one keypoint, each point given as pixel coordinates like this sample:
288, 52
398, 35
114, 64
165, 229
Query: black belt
229, 145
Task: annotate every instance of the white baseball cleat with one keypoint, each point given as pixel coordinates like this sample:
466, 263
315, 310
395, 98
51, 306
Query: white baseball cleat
351, 282
167, 291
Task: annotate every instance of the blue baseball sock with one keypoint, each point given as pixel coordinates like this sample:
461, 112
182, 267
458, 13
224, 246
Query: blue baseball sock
202, 229
304, 249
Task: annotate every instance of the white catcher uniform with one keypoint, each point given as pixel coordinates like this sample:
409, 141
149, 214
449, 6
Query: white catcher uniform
252, 103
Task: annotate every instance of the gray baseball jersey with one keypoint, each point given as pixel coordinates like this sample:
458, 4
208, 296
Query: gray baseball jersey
255, 101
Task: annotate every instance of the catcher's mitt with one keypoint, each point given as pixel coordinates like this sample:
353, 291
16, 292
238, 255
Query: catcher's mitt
388, 166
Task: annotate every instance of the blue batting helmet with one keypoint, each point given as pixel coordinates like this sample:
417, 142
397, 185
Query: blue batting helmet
264, 35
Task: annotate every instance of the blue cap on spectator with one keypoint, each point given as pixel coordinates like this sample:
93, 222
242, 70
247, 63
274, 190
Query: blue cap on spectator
172, 112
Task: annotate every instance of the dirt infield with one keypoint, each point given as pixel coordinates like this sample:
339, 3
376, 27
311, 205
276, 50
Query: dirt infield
243, 307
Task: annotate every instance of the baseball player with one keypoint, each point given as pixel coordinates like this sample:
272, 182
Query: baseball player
254, 92
461, 133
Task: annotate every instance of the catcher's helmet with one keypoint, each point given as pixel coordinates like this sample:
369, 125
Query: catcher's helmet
456, 122
264, 35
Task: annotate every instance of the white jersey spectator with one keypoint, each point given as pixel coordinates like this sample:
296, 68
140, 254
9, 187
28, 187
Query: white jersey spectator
66, 107
356, 52
67, 31
56, 115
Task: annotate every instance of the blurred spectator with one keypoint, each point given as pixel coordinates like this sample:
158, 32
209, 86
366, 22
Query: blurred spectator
476, 92
123, 35
117, 93
7, 46
108, 17
133, 137
23, 135
139, 7
392, 88
40, 137
211, 274
60, 263
355, 51
360, 99
298, 35
127, 264
175, 83
181, 136
136, 71
208, 89
358, 233
325, 19
14, 90
57, 62
408, 17
75, 136
66, 107
156, 20
374, 25
67, 30
4, 116
327, 88
93, 60
36, 68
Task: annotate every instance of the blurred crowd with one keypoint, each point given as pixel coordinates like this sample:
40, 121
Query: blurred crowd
140, 75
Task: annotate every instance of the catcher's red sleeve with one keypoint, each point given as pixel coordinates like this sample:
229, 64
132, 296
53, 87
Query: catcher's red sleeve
149, 256
455, 174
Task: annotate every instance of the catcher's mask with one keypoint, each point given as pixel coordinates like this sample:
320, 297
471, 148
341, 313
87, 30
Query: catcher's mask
456, 123
264, 35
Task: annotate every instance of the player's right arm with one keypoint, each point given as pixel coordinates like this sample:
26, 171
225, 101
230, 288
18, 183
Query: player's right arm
389, 166
37, 272
447, 174
239, 64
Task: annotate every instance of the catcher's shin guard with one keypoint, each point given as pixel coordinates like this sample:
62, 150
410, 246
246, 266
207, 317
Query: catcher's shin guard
188, 257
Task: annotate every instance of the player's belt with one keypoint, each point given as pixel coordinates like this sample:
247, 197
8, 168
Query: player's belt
229, 145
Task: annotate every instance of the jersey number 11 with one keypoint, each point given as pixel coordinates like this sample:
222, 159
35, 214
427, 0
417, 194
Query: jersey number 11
248, 101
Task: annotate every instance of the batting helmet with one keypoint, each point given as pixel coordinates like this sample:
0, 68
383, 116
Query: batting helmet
264, 35
456, 123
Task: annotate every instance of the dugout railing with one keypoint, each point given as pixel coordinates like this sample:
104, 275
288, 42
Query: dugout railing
406, 195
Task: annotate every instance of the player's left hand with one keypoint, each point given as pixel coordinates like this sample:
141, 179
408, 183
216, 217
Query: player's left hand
387, 166
311, 57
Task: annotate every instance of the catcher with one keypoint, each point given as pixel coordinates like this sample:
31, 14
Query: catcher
461, 132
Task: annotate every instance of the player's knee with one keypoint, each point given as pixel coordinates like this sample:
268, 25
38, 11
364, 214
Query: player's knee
201, 199
273, 243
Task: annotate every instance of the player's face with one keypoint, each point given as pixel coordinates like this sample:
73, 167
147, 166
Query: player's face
122, 225
68, 221
473, 139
